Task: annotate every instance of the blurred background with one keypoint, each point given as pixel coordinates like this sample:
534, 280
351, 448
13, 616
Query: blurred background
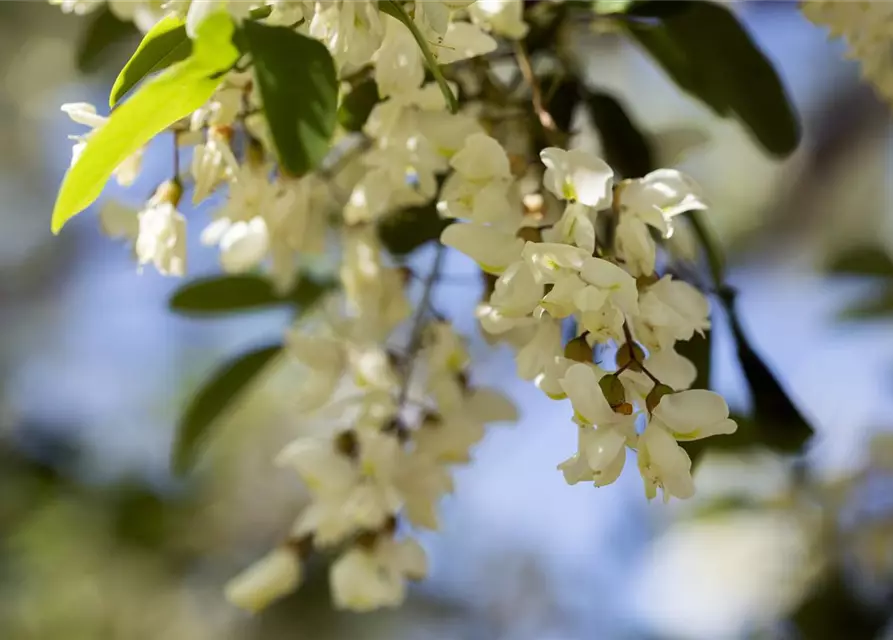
99, 541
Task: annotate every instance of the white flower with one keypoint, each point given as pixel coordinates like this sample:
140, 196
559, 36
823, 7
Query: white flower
462, 41
201, 9
536, 355
422, 481
367, 579
665, 193
670, 310
243, 245
562, 300
274, 576
591, 408
78, 7
671, 368
574, 227
635, 246
664, 464
549, 381
503, 17
349, 493
162, 238
607, 283
446, 132
516, 292
399, 68
577, 176
603, 324
551, 262
351, 29
212, 163
493, 249
83, 113
449, 437
600, 456
478, 190
694, 414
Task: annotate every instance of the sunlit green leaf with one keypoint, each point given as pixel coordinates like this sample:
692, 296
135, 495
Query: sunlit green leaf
220, 392
624, 146
165, 44
221, 295
103, 33
161, 101
705, 50
299, 89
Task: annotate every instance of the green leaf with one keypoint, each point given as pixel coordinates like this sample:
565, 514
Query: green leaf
406, 230
877, 307
104, 31
299, 89
705, 50
357, 105
165, 44
221, 295
224, 294
396, 10
781, 425
834, 610
219, 392
624, 146
863, 260
160, 102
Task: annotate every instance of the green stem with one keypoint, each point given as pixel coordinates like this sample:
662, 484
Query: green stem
394, 9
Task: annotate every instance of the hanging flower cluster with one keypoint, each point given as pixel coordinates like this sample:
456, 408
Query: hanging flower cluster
867, 28
573, 255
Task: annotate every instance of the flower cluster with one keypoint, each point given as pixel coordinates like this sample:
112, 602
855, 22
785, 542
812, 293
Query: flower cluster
608, 285
867, 28
387, 376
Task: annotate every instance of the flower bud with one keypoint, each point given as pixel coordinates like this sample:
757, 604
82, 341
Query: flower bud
654, 397
169, 192
578, 350
629, 356
613, 389
274, 576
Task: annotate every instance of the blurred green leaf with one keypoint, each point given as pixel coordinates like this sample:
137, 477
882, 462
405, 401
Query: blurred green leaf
405, 230
834, 610
165, 44
707, 53
220, 295
877, 307
863, 260
171, 95
358, 104
624, 146
298, 86
781, 425
562, 95
221, 390
103, 32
